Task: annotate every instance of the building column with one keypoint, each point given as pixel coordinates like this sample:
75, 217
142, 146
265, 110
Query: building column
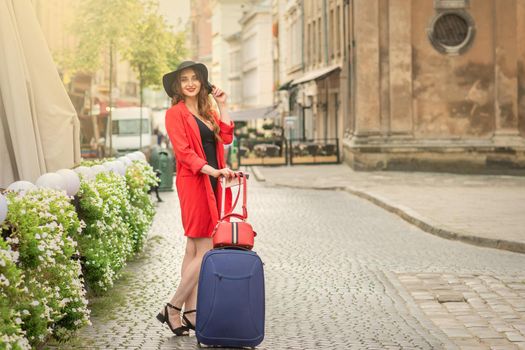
506, 68
384, 65
367, 77
400, 25
520, 14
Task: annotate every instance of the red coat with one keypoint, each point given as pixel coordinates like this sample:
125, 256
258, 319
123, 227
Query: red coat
199, 206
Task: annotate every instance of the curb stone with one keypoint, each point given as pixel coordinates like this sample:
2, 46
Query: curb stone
414, 218
257, 173
412, 309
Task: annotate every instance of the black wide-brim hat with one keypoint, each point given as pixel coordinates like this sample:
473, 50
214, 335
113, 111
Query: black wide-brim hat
169, 78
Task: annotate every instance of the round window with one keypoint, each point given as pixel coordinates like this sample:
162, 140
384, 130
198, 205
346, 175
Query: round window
451, 32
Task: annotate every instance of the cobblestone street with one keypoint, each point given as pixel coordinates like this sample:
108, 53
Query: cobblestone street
341, 273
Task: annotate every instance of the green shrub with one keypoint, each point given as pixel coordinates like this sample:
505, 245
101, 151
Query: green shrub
11, 293
42, 291
118, 213
42, 223
140, 177
106, 243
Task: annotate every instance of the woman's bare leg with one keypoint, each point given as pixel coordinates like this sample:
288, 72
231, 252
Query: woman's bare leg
189, 254
190, 277
191, 302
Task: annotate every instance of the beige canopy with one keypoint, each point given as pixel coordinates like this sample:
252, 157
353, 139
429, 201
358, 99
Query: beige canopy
39, 128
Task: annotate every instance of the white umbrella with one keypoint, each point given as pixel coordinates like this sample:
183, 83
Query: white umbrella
39, 129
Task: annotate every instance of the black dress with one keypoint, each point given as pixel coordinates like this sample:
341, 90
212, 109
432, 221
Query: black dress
209, 146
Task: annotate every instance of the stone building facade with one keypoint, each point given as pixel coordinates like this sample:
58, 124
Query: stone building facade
256, 62
315, 53
200, 41
224, 23
285, 41
250, 74
235, 74
436, 85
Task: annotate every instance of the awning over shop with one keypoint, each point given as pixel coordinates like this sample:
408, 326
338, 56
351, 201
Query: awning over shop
255, 113
316, 74
285, 86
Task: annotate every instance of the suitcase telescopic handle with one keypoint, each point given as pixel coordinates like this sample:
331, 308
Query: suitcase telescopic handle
242, 184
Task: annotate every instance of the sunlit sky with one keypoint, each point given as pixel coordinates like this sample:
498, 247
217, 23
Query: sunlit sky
177, 12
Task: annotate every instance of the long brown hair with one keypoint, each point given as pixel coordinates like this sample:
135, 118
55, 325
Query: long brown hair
203, 100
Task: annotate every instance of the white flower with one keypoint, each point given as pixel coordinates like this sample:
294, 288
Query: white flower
35, 303
4, 281
13, 240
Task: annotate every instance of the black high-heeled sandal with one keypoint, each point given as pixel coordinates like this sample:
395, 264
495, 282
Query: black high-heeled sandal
164, 318
186, 321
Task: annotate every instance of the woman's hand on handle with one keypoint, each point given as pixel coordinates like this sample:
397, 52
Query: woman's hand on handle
226, 172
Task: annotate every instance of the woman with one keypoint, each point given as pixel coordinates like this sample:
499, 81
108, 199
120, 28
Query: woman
197, 134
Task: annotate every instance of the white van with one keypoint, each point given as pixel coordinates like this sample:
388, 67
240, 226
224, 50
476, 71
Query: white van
127, 131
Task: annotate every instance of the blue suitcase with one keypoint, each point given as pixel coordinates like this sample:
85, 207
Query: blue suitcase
230, 299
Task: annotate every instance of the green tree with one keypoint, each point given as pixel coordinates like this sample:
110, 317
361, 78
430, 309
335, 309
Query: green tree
153, 50
102, 27
131, 27
176, 50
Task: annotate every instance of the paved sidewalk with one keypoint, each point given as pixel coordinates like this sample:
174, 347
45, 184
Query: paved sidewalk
486, 210
340, 273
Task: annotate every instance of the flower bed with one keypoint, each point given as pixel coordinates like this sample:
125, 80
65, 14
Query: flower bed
117, 213
53, 249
